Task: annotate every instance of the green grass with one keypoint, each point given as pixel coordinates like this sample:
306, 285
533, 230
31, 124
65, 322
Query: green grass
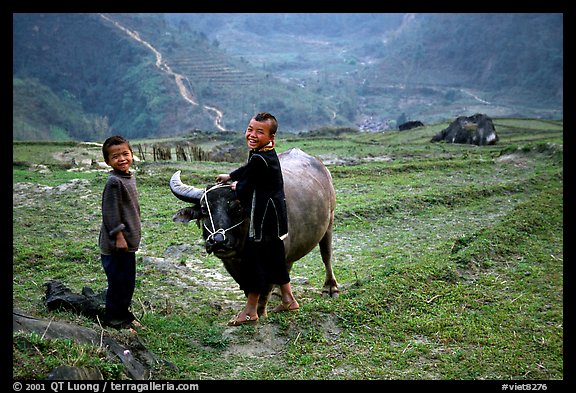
449, 259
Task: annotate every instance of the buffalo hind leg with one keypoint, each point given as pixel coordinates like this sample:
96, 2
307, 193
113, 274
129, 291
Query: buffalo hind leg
330, 285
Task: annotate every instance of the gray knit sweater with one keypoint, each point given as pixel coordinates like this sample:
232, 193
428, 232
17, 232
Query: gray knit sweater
120, 212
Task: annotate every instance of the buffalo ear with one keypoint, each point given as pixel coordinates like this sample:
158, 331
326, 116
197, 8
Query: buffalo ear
187, 214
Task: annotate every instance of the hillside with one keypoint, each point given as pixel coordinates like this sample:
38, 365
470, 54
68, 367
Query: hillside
80, 57
429, 67
125, 68
84, 76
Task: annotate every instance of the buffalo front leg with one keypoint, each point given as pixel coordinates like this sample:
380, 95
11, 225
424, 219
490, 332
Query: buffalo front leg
263, 303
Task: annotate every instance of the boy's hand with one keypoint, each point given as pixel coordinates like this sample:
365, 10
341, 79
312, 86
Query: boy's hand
121, 242
222, 178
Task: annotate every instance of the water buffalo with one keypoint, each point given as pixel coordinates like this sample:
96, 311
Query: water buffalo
310, 201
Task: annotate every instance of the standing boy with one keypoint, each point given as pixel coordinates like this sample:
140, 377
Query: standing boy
120, 232
260, 188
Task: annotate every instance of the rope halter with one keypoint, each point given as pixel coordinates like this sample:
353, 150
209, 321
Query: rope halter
215, 231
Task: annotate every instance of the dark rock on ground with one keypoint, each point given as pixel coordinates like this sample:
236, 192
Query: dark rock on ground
475, 130
88, 303
409, 125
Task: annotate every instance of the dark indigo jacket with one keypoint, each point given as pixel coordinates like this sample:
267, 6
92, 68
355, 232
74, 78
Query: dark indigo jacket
260, 189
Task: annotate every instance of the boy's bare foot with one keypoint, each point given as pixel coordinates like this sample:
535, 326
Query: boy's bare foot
135, 324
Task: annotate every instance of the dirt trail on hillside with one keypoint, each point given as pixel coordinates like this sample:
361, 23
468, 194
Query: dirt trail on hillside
164, 67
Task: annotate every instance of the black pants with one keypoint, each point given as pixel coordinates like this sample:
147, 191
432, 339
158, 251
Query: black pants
263, 264
120, 269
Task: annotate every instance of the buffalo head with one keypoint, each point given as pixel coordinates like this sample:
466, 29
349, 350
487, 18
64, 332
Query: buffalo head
218, 211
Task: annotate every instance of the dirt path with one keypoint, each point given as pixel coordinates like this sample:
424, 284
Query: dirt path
164, 67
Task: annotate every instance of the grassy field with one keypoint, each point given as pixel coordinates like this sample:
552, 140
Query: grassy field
449, 260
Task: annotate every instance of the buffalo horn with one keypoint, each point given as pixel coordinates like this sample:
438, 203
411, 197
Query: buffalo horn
183, 191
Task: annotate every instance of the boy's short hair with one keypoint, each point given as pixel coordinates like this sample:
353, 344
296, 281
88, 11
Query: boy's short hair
111, 141
265, 116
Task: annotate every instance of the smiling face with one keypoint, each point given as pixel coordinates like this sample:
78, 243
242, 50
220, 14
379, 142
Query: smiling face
120, 157
258, 134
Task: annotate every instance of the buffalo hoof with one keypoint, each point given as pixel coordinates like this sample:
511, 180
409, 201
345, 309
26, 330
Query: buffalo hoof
333, 293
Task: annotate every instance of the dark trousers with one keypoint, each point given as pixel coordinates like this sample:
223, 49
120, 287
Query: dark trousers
263, 264
120, 269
